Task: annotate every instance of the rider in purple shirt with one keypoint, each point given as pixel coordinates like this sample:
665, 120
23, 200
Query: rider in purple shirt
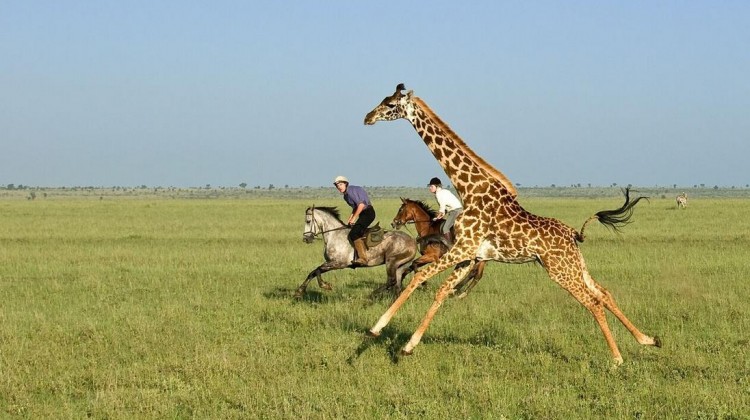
362, 215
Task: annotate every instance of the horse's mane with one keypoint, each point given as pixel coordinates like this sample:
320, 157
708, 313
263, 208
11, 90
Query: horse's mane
333, 211
475, 157
424, 206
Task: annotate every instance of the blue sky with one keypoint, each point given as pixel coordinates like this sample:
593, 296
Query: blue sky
127, 93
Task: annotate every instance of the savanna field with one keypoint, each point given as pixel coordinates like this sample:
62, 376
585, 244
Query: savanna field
170, 305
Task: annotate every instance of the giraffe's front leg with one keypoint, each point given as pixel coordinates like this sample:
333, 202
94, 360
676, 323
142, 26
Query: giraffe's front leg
419, 278
446, 289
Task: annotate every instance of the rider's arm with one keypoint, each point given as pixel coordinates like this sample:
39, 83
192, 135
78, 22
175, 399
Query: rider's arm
357, 211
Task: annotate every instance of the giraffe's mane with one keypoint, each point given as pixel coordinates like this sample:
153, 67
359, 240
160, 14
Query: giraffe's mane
476, 158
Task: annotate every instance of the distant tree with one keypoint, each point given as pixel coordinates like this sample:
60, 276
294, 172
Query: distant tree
716, 187
243, 184
270, 186
11, 187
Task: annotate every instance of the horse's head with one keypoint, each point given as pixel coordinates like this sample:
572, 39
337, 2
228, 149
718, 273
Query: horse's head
405, 214
311, 226
398, 105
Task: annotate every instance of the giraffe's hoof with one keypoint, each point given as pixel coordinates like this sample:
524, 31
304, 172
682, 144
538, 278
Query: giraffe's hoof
372, 334
405, 352
299, 294
657, 341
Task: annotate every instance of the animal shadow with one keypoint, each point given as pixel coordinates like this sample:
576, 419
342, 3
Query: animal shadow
310, 296
391, 341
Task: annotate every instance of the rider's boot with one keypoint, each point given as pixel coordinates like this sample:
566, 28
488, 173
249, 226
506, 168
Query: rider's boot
359, 245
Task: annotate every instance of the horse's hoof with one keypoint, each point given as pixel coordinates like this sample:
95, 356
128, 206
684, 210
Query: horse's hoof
372, 334
405, 352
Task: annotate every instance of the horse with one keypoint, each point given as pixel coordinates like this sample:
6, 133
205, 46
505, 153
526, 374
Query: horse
396, 250
432, 245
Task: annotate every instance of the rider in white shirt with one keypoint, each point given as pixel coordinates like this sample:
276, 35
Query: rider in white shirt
450, 207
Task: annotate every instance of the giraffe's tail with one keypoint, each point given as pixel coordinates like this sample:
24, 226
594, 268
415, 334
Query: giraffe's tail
614, 219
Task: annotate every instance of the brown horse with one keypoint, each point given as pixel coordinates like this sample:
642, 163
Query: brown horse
432, 244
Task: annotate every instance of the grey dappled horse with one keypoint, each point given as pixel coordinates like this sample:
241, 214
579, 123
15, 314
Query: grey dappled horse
396, 251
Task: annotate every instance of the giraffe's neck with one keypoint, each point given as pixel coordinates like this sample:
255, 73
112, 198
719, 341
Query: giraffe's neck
464, 167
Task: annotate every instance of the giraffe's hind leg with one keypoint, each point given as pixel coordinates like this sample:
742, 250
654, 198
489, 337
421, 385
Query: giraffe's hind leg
571, 274
601, 318
611, 305
596, 298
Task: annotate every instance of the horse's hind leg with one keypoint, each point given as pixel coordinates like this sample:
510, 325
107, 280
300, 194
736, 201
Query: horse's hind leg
395, 268
391, 282
471, 280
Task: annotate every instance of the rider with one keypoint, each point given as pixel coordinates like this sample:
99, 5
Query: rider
450, 207
363, 213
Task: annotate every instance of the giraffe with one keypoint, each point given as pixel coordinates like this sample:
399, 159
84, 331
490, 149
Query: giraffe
494, 226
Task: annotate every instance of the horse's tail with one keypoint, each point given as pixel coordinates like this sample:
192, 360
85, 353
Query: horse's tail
614, 219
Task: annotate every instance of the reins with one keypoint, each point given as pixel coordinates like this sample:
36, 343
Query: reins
412, 222
316, 234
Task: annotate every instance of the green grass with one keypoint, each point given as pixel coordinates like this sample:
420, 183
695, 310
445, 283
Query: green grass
160, 307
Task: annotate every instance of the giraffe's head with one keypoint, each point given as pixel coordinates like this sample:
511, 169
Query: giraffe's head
393, 107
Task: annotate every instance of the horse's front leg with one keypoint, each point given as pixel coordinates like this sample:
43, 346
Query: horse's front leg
471, 280
323, 268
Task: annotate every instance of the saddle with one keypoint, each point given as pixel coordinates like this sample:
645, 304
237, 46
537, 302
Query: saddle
374, 235
435, 238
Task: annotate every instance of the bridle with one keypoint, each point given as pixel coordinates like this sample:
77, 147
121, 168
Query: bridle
414, 220
313, 232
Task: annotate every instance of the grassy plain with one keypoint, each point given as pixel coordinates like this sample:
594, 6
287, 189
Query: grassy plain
158, 307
